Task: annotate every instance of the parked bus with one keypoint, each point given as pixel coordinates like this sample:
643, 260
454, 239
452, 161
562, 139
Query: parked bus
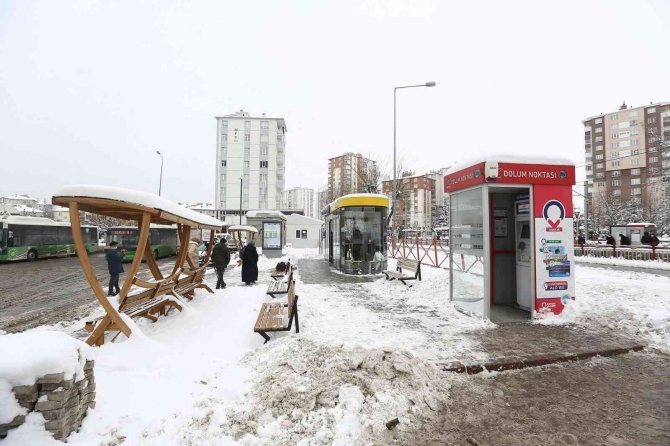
163, 240
30, 238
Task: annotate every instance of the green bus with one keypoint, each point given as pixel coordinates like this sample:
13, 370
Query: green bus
163, 240
30, 238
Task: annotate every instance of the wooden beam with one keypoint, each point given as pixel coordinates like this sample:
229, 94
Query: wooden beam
183, 231
101, 203
212, 240
142, 240
82, 255
151, 261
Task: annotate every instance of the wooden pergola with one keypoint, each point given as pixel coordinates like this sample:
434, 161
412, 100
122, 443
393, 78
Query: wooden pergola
237, 231
145, 209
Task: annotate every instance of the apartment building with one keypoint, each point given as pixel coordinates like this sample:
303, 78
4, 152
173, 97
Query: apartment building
301, 198
349, 173
253, 150
415, 205
627, 154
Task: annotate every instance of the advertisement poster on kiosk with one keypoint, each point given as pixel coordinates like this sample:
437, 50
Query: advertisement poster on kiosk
554, 243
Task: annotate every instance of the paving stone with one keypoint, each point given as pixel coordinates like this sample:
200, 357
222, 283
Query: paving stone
21, 391
52, 378
48, 405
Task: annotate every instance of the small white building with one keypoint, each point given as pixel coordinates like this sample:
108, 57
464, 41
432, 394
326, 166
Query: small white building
303, 232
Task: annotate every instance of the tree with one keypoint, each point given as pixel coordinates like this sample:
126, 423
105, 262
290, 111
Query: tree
370, 177
442, 214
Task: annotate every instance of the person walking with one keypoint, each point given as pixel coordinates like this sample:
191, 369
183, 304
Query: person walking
221, 259
249, 257
115, 267
193, 251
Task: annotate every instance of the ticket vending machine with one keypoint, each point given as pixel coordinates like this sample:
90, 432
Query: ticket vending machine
524, 249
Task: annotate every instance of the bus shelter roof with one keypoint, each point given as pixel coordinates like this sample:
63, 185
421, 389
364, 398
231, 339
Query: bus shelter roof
242, 228
130, 204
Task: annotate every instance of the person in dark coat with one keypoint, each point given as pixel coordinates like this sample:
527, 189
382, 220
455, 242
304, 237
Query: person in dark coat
249, 263
220, 259
655, 241
646, 238
611, 240
581, 240
115, 267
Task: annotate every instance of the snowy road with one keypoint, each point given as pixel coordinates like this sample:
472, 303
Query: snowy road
51, 290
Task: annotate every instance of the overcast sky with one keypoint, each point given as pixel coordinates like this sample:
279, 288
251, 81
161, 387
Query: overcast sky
89, 90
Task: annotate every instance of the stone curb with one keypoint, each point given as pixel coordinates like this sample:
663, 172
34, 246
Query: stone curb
516, 363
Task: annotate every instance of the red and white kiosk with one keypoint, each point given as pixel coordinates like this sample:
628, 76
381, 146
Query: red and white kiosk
511, 238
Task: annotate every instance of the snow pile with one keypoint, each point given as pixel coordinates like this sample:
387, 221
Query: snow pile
625, 302
25, 357
37, 353
321, 394
618, 261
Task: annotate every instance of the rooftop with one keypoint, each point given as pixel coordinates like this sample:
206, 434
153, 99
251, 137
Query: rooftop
657, 104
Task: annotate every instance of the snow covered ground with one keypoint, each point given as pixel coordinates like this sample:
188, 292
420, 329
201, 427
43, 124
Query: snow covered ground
365, 355
626, 263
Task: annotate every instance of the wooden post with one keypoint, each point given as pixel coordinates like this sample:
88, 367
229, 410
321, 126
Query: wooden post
151, 261
142, 240
182, 248
209, 248
82, 255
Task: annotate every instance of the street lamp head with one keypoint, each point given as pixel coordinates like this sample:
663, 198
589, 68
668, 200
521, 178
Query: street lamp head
158, 152
430, 84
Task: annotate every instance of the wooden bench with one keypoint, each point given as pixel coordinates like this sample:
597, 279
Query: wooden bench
273, 316
187, 281
276, 275
413, 267
156, 298
280, 286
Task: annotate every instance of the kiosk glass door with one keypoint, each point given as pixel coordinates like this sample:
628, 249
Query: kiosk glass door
467, 239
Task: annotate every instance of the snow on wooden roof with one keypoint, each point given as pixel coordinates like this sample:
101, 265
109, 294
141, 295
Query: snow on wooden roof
242, 228
129, 203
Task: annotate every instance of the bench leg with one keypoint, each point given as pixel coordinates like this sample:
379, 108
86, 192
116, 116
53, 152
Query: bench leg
297, 324
265, 336
205, 286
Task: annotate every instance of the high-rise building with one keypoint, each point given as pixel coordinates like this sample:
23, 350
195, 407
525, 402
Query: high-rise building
300, 198
252, 149
350, 173
627, 154
415, 204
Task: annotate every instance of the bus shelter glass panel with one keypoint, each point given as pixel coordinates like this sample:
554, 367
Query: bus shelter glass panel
363, 250
468, 289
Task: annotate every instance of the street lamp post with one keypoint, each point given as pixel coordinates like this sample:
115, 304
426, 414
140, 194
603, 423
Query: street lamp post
240, 200
160, 182
395, 173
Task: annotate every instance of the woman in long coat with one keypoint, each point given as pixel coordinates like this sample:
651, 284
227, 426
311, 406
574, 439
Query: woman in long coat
249, 263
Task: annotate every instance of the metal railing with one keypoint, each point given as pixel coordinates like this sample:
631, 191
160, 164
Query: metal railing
624, 252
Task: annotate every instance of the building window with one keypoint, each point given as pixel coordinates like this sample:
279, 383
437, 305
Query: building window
265, 125
634, 142
279, 136
599, 138
599, 121
247, 126
615, 145
600, 147
653, 159
600, 175
635, 171
636, 191
224, 137
264, 138
652, 149
651, 110
614, 116
634, 181
264, 150
616, 192
599, 129
600, 166
616, 173
616, 163
635, 162
632, 114
615, 135
297, 233
615, 154
616, 183
303, 233
247, 137
600, 156
651, 120
223, 163
633, 122
264, 164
